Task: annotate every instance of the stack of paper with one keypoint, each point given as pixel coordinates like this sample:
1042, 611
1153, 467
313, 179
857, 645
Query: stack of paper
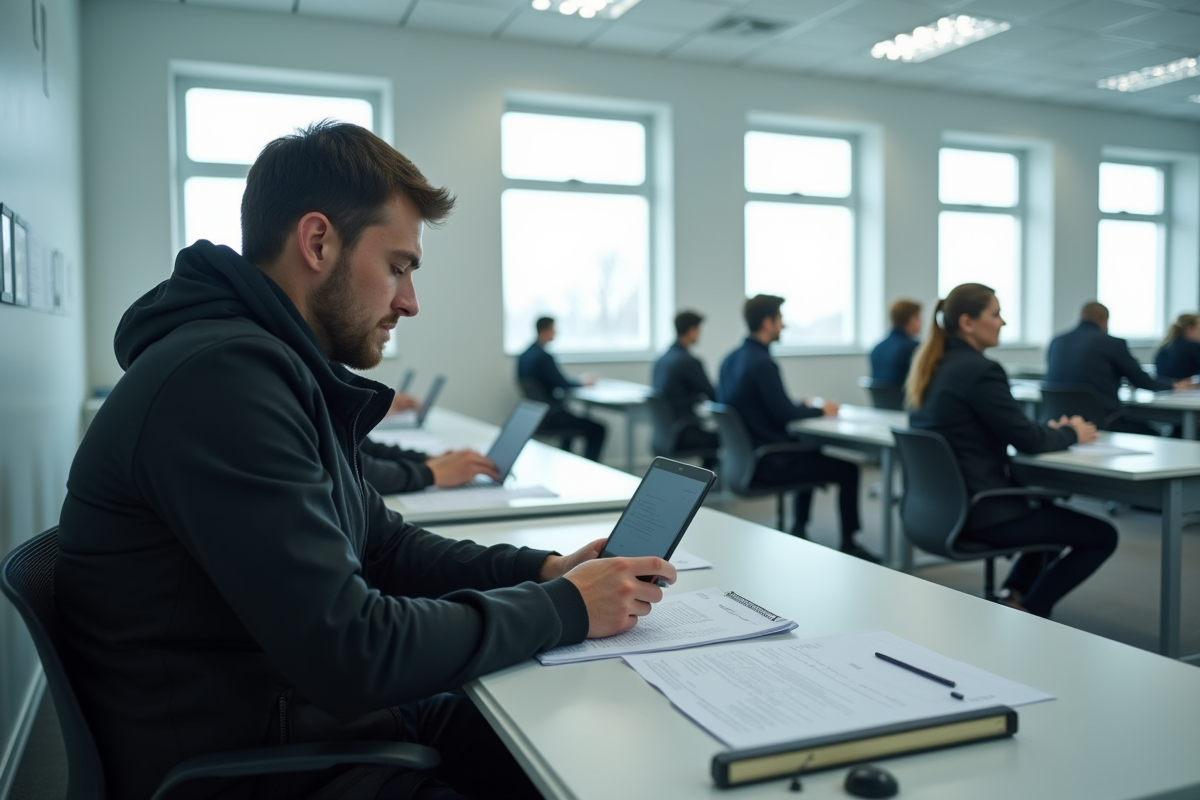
458, 498
685, 620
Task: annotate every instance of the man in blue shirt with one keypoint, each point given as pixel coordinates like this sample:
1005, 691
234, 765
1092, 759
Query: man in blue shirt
751, 383
891, 357
681, 382
542, 380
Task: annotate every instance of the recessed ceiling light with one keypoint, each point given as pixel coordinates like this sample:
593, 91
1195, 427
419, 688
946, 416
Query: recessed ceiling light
948, 33
1149, 77
588, 9
1195, 98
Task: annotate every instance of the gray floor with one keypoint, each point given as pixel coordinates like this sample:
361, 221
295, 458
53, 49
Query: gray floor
1119, 602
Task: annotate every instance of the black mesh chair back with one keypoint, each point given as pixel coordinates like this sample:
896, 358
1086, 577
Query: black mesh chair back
1059, 399
666, 427
27, 579
933, 508
738, 460
886, 395
532, 390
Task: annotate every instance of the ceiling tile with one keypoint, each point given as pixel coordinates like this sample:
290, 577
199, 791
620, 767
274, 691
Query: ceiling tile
1096, 15
284, 6
1010, 10
683, 16
1027, 39
717, 49
633, 39
1138, 59
1093, 51
792, 59
840, 35
386, 11
888, 17
976, 55
1170, 27
464, 18
798, 11
550, 26
860, 66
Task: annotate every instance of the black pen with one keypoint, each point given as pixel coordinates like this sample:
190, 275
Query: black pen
916, 670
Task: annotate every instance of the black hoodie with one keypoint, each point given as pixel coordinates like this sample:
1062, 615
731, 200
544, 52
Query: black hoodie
227, 580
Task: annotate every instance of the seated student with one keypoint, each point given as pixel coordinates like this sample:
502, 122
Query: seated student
1179, 357
1087, 355
538, 367
393, 470
680, 380
958, 392
750, 382
226, 581
891, 357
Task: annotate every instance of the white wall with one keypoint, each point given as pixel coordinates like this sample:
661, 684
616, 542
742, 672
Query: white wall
42, 363
449, 94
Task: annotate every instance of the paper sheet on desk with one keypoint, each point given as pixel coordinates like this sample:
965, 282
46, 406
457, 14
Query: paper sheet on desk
757, 693
410, 439
1104, 449
433, 499
684, 561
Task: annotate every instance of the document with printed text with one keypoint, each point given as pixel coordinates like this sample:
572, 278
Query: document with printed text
684, 561
434, 499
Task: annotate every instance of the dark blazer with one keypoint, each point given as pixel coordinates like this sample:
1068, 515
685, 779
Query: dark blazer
970, 404
680, 380
538, 365
1178, 359
891, 358
1089, 356
750, 382
392, 470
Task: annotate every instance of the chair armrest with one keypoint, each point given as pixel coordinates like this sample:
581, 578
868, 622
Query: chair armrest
298, 758
1035, 492
784, 447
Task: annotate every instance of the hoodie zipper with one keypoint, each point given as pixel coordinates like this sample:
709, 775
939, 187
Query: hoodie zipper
362, 495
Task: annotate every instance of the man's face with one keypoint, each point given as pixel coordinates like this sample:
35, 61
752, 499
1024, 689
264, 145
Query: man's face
773, 327
370, 288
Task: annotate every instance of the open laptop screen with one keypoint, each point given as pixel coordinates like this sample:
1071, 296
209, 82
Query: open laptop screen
521, 425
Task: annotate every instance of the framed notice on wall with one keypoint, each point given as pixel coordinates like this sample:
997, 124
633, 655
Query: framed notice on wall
7, 277
20, 262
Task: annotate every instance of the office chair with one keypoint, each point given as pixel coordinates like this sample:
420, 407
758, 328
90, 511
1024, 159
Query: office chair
740, 459
935, 504
1059, 399
27, 579
532, 390
884, 395
667, 428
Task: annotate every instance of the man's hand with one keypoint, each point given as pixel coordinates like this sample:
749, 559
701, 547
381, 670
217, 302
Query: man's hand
403, 402
587, 379
459, 466
1085, 431
1185, 385
557, 566
614, 596
830, 408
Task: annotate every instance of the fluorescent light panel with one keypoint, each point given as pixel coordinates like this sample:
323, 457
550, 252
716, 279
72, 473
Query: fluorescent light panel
948, 33
588, 9
1195, 98
1149, 77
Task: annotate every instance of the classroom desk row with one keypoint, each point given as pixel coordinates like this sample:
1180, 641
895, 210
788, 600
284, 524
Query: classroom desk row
1124, 723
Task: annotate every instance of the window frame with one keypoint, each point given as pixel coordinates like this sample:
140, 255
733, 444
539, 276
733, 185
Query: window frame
1019, 211
648, 189
1162, 221
852, 201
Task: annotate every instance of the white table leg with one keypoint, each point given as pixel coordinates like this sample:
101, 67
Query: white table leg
1172, 555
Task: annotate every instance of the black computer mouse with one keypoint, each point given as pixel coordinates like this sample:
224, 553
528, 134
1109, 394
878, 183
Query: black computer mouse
867, 780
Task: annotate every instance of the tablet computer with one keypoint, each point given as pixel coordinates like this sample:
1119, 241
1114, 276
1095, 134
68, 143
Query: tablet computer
660, 511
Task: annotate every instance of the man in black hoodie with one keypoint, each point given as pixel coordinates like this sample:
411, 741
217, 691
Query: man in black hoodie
226, 579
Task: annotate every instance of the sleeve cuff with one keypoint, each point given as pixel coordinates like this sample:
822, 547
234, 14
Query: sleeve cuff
572, 611
527, 566
424, 473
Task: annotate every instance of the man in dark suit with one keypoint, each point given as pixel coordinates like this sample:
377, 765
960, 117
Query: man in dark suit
891, 357
750, 382
1088, 356
681, 382
542, 380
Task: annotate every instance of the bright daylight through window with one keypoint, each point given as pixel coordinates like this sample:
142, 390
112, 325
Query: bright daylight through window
800, 232
980, 227
575, 217
1131, 257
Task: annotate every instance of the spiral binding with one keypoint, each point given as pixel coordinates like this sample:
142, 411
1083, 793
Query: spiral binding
737, 598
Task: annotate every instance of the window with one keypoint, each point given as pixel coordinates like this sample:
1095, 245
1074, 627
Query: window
801, 212
576, 228
1132, 248
980, 227
221, 128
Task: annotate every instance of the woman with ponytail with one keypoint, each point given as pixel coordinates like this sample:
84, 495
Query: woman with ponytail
954, 390
1179, 357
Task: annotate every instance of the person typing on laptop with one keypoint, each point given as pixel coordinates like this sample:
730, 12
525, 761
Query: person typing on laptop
393, 470
226, 579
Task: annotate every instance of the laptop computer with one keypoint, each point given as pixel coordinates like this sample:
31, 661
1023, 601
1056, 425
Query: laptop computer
405, 381
522, 423
415, 419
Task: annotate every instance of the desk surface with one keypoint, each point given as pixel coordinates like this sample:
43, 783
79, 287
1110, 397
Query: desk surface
1125, 723
858, 424
613, 392
1160, 459
581, 486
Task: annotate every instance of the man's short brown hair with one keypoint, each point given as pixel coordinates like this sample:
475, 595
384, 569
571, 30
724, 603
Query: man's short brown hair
337, 169
760, 308
685, 321
1094, 312
902, 312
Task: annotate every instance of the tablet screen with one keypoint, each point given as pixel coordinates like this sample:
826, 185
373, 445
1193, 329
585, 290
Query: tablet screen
656, 516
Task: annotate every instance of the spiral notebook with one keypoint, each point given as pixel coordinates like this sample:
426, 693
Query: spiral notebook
679, 621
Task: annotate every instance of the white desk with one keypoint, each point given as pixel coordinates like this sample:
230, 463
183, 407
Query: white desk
625, 396
1182, 407
1166, 478
1125, 724
582, 486
867, 430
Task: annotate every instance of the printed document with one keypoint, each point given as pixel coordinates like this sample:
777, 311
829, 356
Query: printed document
682, 560
1105, 449
411, 439
456, 499
684, 620
751, 694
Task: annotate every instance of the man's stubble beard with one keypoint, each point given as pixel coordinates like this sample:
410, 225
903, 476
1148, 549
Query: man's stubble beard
343, 327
